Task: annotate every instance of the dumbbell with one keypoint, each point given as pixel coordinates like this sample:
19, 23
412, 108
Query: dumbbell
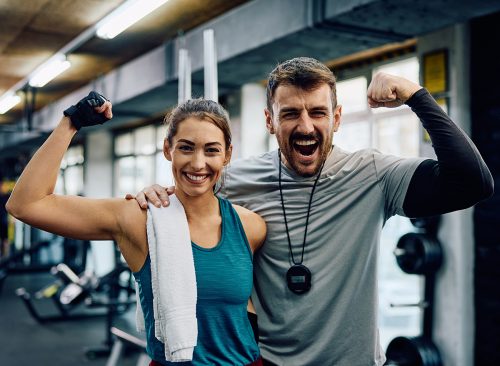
413, 351
418, 253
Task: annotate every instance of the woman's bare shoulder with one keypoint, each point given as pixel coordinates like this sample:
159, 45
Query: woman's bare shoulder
254, 226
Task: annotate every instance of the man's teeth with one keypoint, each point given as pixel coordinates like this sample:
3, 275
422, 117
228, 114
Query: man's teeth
305, 142
196, 177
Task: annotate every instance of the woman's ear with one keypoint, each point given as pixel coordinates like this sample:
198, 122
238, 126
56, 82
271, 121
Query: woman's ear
229, 153
166, 149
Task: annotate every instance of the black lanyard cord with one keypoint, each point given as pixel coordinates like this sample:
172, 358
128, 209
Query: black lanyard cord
308, 211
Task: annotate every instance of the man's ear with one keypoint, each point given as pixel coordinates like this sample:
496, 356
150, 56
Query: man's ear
166, 149
337, 113
229, 153
269, 121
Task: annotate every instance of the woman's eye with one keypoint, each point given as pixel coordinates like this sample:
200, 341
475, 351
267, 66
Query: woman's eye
213, 150
185, 148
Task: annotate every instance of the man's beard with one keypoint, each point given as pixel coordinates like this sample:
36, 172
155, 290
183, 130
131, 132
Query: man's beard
324, 148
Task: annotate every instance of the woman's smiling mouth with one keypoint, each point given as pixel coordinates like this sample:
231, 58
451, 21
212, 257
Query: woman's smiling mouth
196, 178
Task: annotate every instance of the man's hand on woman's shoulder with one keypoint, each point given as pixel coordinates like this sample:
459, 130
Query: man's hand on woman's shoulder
156, 194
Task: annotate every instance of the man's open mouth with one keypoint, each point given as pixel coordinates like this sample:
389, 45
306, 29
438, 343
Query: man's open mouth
305, 147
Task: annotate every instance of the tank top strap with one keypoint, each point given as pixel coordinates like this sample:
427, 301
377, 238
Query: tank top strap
233, 227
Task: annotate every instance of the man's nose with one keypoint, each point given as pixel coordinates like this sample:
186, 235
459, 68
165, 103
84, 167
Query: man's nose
306, 125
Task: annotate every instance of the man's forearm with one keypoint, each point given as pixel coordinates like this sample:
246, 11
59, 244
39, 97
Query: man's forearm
458, 179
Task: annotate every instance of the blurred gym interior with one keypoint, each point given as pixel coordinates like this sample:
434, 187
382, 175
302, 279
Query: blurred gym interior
72, 302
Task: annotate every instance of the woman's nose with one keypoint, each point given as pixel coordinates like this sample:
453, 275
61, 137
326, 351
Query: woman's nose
198, 160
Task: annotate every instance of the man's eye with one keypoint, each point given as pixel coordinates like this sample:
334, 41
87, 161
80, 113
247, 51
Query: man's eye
290, 115
318, 114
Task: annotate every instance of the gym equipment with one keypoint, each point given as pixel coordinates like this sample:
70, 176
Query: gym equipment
429, 224
14, 263
114, 293
419, 253
414, 351
29, 259
130, 342
70, 290
120, 296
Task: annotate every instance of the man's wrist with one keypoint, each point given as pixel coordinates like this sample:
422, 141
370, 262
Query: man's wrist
415, 96
413, 92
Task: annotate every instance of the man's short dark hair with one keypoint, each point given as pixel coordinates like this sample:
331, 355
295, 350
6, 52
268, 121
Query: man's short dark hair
303, 72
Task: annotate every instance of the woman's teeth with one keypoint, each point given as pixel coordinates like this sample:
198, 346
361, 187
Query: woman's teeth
196, 177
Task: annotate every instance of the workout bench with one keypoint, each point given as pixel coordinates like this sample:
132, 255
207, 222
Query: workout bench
123, 339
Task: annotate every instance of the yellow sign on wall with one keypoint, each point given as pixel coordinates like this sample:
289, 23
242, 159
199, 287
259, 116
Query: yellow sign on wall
7, 186
435, 72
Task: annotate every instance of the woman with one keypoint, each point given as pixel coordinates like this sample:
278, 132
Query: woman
198, 144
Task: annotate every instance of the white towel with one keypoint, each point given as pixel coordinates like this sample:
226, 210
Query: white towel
173, 281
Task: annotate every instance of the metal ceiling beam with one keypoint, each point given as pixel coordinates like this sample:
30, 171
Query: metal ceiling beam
285, 29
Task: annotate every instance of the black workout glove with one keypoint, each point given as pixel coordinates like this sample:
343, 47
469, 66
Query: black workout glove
83, 114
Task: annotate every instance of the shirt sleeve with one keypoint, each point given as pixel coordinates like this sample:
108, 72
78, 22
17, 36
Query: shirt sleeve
459, 177
394, 175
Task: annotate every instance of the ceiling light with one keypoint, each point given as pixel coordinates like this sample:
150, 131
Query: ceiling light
7, 101
49, 70
126, 15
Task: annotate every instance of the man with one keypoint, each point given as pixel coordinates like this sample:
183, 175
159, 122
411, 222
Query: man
315, 289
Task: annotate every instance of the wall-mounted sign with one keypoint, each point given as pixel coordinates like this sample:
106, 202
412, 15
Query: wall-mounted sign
436, 71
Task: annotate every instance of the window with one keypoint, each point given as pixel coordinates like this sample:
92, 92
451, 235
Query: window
392, 131
355, 130
70, 179
352, 95
397, 134
139, 160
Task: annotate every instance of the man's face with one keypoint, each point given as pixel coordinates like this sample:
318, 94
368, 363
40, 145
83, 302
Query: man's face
304, 122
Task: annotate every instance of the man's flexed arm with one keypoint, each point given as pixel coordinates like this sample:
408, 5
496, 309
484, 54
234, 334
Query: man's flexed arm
459, 178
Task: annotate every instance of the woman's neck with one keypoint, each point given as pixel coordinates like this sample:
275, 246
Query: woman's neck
199, 206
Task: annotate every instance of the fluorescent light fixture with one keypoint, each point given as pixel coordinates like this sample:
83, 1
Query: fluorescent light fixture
49, 70
8, 101
126, 15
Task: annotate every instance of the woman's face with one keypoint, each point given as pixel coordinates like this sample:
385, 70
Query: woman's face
198, 155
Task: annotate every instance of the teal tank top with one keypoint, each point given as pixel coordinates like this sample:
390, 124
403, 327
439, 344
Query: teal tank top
224, 276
